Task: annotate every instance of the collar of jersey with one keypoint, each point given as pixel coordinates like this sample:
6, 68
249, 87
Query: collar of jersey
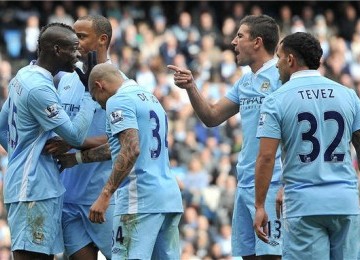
265, 66
43, 71
305, 73
128, 83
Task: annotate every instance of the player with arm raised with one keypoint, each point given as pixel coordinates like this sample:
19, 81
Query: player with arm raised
33, 192
254, 44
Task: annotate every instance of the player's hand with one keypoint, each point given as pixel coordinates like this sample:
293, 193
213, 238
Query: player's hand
182, 77
98, 209
66, 160
91, 62
279, 202
56, 146
261, 224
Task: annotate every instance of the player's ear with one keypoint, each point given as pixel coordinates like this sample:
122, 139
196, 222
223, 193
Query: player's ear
291, 60
99, 84
258, 42
56, 49
103, 40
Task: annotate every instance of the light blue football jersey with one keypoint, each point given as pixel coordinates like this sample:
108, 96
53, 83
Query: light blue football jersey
4, 133
34, 110
150, 187
83, 182
249, 92
314, 117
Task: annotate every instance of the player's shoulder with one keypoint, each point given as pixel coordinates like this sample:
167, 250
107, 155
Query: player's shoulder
33, 79
68, 79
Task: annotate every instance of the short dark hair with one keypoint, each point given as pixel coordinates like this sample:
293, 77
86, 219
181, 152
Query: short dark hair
305, 47
101, 25
46, 41
265, 27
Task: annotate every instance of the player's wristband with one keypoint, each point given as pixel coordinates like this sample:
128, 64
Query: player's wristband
78, 157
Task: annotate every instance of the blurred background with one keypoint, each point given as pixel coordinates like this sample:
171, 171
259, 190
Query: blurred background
148, 35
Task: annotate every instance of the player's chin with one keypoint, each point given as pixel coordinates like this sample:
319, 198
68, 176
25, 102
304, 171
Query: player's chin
70, 68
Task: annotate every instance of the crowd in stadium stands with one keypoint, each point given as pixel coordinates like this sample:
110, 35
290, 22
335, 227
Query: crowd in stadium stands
149, 35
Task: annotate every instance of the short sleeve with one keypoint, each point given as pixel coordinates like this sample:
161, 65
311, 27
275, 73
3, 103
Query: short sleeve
233, 93
45, 105
121, 114
269, 121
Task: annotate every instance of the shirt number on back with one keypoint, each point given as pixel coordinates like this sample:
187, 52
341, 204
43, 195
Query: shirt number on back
13, 134
329, 155
154, 153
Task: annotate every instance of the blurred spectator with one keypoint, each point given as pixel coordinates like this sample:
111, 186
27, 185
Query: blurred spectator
297, 25
238, 11
11, 32
31, 34
228, 31
224, 211
169, 48
145, 77
149, 48
128, 61
256, 10
116, 39
112, 9
285, 22
182, 29
95, 7
307, 15
348, 22
5, 239
194, 182
5, 77
207, 27
320, 30
224, 240
60, 16
188, 252
211, 50
337, 61
81, 11
227, 66
159, 26
131, 37
330, 22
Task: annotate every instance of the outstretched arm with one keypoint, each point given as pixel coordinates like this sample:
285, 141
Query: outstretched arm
210, 114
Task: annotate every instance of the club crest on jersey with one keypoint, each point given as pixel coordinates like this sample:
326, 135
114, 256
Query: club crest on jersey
116, 117
262, 119
265, 86
52, 111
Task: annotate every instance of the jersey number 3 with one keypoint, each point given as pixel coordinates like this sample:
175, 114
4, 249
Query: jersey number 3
329, 155
155, 133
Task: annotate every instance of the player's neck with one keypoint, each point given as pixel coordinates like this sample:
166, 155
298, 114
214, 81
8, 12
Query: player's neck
102, 57
45, 65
